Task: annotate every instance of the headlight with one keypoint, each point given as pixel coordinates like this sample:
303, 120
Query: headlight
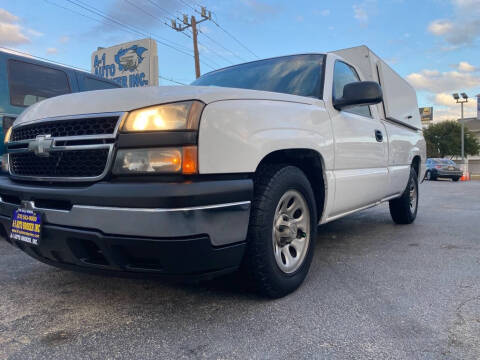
7, 135
175, 160
176, 116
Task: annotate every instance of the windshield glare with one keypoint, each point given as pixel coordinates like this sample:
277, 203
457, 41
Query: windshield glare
297, 75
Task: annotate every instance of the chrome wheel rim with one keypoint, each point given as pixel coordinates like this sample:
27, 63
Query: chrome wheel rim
429, 176
413, 197
291, 231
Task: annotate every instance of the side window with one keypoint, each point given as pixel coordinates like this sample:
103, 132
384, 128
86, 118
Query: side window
344, 74
31, 83
95, 84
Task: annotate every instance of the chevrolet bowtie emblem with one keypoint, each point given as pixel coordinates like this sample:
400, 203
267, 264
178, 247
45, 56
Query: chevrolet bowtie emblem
41, 145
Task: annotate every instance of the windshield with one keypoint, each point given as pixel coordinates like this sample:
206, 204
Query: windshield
297, 75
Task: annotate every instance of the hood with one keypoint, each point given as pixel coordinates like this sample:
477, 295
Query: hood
127, 99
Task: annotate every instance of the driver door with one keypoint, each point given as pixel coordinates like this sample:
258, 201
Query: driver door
361, 152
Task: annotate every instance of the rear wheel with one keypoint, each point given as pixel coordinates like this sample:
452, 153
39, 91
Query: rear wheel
404, 209
282, 230
456, 179
430, 176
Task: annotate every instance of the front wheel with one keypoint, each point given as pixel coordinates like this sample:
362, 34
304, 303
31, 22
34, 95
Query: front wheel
456, 179
282, 230
404, 209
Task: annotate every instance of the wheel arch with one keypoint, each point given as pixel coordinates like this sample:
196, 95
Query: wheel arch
416, 163
311, 162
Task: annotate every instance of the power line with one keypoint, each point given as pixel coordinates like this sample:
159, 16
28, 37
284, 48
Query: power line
171, 80
223, 47
138, 31
234, 38
187, 4
154, 3
162, 21
192, 24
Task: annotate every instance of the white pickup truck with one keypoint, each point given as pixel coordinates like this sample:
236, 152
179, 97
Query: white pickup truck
233, 172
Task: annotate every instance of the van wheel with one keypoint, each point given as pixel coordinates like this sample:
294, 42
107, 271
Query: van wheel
282, 230
404, 209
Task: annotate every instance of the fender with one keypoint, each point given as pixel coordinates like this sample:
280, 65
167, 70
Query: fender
235, 135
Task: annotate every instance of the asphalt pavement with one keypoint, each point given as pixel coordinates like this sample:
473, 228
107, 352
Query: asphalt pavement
375, 290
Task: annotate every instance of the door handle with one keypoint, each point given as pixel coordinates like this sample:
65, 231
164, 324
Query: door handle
378, 135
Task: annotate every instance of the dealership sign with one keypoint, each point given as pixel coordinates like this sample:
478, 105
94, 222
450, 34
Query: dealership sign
426, 114
131, 64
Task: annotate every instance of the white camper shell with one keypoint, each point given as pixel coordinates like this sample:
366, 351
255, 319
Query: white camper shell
399, 97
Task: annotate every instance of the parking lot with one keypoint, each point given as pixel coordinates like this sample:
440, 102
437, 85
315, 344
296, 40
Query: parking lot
375, 290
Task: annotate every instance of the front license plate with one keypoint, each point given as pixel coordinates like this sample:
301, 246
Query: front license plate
26, 226
450, 168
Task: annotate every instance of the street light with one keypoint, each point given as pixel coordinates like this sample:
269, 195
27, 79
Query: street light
461, 102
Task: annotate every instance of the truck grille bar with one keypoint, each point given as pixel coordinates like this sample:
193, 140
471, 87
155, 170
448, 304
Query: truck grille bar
73, 127
64, 149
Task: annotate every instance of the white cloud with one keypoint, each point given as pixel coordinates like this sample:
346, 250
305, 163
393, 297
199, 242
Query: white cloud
440, 27
437, 82
360, 13
463, 28
364, 11
446, 108
466, 67
444, 99
11, 33
325, 12
52, 50
34, 32
64, 39
6, 17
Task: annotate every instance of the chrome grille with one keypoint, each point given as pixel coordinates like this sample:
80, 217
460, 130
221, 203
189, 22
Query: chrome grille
81, 150
64, 128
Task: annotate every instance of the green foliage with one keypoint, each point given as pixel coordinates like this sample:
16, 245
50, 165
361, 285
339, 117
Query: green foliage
444, 139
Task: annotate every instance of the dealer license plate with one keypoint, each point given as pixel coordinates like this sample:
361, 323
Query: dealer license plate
26, 226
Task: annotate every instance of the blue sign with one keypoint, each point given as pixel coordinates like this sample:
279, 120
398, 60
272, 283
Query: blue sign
125, 60
26, 226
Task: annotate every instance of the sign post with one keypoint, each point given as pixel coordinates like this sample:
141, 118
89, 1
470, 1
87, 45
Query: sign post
131, 64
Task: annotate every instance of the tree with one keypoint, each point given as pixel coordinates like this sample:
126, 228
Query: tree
444, 139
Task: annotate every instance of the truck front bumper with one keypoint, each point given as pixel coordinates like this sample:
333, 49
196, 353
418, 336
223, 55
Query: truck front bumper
163, 228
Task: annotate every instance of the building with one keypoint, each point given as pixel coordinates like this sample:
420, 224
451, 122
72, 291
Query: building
473, 124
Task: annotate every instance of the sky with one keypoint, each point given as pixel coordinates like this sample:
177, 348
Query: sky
434, 44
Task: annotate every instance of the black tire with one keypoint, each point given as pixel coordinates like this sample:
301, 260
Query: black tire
430, 176
456, 179
400, 209
260, 266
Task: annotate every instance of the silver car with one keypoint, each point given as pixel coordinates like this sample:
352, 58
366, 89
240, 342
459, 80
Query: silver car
442, 168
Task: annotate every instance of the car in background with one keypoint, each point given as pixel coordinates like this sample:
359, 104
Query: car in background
25, 80
442, 168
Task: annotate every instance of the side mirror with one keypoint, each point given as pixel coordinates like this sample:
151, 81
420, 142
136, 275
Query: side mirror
359, 93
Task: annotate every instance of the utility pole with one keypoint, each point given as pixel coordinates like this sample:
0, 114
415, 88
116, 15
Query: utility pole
192, 23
